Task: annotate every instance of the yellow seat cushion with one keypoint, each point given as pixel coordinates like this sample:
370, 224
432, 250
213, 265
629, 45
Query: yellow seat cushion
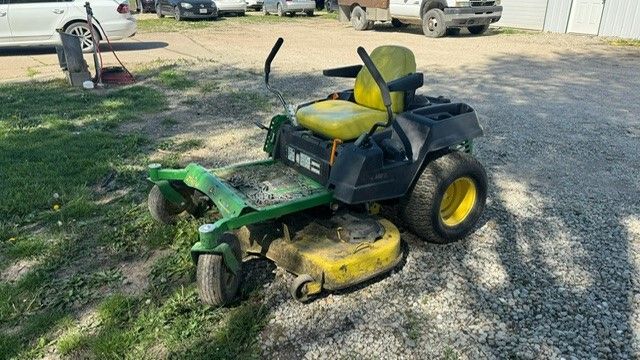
339, 119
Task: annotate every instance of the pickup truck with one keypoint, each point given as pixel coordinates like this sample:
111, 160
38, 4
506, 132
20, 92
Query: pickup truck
437, 17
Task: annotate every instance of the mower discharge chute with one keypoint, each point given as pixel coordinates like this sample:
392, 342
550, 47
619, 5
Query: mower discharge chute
313, 206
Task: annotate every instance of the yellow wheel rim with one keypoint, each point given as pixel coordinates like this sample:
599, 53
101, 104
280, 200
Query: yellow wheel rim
458, 201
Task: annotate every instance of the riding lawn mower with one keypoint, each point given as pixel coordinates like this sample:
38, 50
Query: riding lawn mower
334, 166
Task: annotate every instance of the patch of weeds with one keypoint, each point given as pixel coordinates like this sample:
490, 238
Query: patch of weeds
175, 80
210, 86
23, 247
31, 72
169, 122
449, 354
71, 341
624, 42
512, 31
116, 309
182, 146
78, 289
245, 101
133, 227
413, 326
171, 271
111, 343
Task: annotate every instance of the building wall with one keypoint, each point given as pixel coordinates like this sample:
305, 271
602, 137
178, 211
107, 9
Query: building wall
526, 14
621, 18
558, 12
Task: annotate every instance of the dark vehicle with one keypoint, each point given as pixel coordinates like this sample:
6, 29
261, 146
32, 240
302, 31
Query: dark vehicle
331, 5
148, 6
187, 9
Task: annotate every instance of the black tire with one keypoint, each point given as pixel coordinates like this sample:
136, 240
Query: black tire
217, 285
162, 209
453, 31
398, 24
370, 25
279, 10
434, 23
327, 6
82, 30
241, 14
478, 29
309, 12
159, 13
359, 18
176, 14
298, 288
422, 208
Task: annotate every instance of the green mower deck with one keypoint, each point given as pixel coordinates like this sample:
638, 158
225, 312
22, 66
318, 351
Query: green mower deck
243, 194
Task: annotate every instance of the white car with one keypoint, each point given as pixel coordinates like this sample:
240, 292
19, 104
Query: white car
238, 7
34, 22
254, 4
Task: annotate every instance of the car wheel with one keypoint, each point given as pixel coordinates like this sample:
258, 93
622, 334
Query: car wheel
359, 19
176, 14
478, 29
159, 13
398, 24
434, 23
81, 29
327, 5
309, 12
280, 12
241, 14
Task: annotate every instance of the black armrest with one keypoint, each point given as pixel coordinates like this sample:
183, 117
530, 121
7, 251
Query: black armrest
410, 82
345, 72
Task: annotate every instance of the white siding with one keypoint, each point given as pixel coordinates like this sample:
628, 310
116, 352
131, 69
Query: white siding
557, 15
621, 18
526, 14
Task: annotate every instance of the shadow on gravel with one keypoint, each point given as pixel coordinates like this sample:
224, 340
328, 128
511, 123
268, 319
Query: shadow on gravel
550, 272
562, 159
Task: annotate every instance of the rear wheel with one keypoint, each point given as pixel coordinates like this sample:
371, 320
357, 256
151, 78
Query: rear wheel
176, 13
327, 6
433, 23
447, 200
359, 19
280, 11
217, 284
478, 29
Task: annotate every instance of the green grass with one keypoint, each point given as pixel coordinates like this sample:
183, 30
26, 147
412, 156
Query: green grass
175, 80
624, 42
169, 24
62, 151
512, 31
31, 72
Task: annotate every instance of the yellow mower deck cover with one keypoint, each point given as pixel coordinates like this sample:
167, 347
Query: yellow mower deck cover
344, 120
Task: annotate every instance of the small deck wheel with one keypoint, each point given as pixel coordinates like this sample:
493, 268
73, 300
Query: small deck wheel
217, 284
300, 288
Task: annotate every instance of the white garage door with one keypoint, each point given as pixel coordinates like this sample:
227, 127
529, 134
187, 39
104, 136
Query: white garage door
526, 14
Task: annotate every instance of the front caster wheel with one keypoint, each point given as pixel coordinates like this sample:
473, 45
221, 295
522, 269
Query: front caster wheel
300, 290
161, 209
217, 284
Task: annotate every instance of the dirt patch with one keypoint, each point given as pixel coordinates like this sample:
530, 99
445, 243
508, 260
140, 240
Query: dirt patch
136, 272
17, 270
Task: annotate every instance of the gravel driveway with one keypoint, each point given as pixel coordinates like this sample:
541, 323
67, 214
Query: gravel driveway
552, 270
